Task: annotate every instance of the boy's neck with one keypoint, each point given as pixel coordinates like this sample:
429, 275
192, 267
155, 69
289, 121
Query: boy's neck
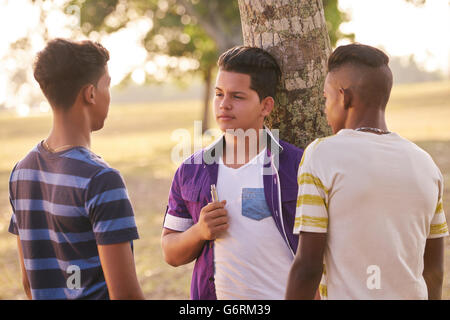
68, 131
242, 150
370, 119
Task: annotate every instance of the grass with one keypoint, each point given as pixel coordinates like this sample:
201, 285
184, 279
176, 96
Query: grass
137, 141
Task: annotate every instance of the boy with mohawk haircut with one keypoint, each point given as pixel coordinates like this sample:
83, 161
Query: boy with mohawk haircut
369, 209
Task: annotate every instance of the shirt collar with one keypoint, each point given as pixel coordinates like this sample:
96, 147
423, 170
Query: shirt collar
213, 152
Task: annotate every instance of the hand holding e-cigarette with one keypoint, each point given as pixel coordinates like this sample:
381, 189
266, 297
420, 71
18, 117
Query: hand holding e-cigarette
213, 217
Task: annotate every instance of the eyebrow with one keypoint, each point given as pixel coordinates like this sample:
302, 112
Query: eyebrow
232, 92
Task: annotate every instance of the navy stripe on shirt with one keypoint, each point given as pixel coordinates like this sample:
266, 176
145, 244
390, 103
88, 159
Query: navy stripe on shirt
64, 205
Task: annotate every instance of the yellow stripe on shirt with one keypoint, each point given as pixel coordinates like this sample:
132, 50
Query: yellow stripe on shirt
439, 208
439, 228
307, 178
309, 221
310, 199
323, 290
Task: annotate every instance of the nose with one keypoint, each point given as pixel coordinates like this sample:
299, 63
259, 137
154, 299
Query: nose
225, 103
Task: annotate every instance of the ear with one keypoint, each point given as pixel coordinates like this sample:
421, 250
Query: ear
348, 97
267, 105
88, 93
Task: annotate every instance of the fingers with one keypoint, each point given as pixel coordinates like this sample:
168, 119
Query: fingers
214, 219
217, 231
216, 214
219, 221
214, 205
214, 210
218, 228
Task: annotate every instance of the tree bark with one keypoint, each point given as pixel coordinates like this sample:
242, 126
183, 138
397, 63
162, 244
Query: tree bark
295, 33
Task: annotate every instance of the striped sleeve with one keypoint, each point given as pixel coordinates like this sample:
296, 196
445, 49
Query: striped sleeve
438, 226
13, 223
177, 216
110, 210
312, 209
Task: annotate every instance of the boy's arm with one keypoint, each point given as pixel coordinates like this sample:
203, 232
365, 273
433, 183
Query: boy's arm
112, 218
433, 271
120, 272
25, 282
180, 248
306, 271
311, 223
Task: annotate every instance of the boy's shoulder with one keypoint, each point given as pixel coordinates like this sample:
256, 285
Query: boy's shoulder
290, 155
290, 148
324, 144
77, 162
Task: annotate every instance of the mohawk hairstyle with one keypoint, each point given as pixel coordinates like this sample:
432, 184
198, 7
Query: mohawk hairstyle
357, 54
372, 64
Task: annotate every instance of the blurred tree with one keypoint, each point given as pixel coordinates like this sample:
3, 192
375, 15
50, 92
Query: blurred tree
195, 29
18, 54
334, 18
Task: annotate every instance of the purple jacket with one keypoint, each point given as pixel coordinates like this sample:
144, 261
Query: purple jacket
190, 192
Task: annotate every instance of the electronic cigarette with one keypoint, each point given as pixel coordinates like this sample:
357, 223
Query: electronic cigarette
214, 196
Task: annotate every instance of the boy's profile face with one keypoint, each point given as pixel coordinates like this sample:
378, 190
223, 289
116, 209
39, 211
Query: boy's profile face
99, 111
334, 103
236, 105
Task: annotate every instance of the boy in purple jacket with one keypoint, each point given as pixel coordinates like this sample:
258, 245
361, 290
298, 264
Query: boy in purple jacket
243, 245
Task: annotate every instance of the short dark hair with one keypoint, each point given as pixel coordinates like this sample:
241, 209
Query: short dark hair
65, 66
357, 53
262, 68
374, 63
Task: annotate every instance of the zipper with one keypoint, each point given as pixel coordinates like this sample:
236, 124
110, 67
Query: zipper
280, 208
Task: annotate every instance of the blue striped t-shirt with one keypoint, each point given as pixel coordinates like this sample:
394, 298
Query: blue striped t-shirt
64, 205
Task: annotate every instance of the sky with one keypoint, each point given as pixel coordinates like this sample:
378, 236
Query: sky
403, 29
400, 28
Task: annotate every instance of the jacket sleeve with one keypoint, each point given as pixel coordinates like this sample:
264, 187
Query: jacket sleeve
177, 215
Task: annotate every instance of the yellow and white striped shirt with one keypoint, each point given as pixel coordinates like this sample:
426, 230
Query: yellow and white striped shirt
378, 198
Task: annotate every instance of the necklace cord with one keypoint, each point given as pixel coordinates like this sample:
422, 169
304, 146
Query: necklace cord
376, 130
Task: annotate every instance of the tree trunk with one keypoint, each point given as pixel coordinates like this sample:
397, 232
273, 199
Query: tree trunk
206, 98
295, 33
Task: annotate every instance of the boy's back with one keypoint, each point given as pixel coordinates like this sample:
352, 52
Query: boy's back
382, 199
65, 204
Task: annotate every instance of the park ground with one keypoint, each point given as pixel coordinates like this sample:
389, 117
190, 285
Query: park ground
137, 140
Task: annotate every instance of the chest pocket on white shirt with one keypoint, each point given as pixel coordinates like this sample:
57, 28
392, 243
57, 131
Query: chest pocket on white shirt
254, 205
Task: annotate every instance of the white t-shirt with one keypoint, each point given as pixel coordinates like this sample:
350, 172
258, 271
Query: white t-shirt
378, 198
252, 260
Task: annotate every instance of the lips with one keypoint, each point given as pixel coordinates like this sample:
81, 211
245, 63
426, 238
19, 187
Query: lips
224, 117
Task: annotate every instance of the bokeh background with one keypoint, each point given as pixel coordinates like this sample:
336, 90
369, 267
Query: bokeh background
163, 55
